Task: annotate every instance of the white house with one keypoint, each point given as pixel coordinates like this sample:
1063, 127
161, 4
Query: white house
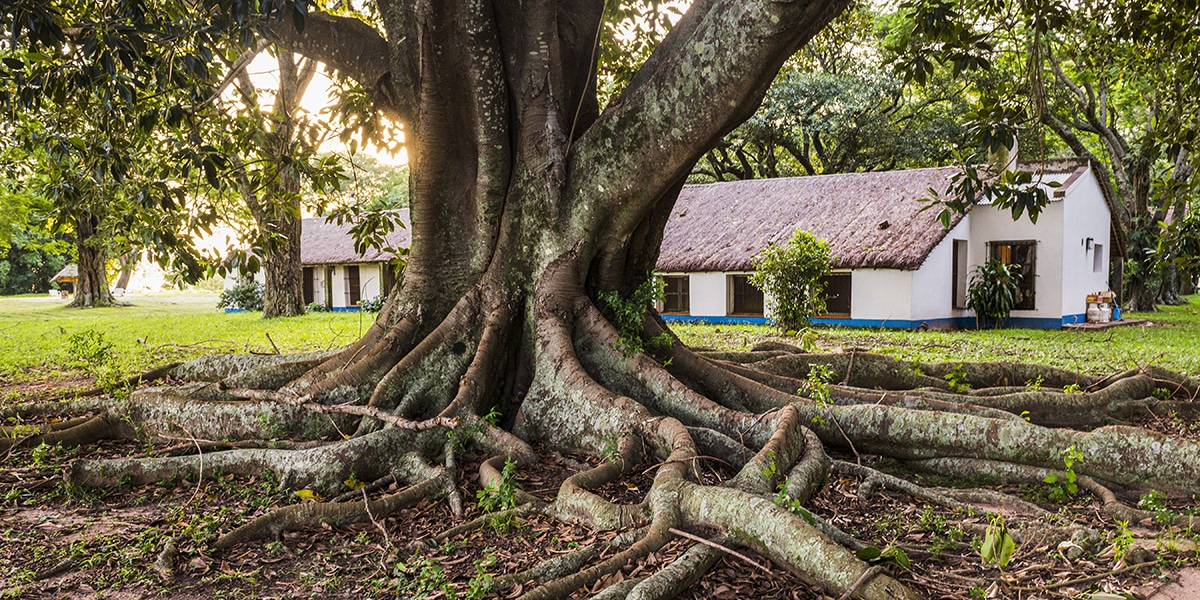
337, 276
894, 264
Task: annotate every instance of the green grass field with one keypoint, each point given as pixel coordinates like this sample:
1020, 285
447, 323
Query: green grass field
41, 338
1172, 341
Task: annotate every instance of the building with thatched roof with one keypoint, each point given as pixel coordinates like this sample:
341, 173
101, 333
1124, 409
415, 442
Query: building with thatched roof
337, 276
895, 265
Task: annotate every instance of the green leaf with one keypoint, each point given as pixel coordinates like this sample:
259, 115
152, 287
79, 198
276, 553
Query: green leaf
869, 553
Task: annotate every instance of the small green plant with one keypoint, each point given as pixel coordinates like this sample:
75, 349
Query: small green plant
316, 307
480, 584
914, 368
993, 292
1065, 484
1072, 388
1035, 385
501, 496
422, 577
816, 387
891, 553
957, 378
1122, 540
1154, 500
977, 593
629, 313
246, 295
791, 274
1161, 393
998, 546
792, 505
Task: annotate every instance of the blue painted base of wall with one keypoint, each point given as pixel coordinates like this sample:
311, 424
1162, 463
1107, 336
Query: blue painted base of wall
334, 309
717, 320
947, 323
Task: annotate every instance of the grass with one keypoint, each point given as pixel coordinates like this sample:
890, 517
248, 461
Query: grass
41, 338
1169, 342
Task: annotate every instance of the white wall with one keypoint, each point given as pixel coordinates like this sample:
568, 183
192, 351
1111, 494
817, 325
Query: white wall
318, 272
881, 294
932, 293
989, 224
1086, 215
707, 294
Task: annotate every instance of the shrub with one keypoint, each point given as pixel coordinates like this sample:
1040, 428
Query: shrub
372, 305
316, 307
791, 274
993, 292
246, 295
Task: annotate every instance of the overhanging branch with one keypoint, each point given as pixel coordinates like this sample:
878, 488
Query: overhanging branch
357, 50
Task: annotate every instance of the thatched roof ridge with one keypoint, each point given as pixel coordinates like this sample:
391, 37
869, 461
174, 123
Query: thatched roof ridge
324, 243
871, 220
68, 274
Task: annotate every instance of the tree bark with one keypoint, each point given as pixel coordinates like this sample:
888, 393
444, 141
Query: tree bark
128, 262
91, 284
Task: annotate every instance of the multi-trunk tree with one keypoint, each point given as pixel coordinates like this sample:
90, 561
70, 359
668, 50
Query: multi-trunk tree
528, 204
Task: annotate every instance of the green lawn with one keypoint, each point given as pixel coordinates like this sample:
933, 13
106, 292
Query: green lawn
1173, 341
40, 337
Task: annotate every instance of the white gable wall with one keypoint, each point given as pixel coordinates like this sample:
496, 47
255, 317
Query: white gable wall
989, 224
932, 283
1086, 216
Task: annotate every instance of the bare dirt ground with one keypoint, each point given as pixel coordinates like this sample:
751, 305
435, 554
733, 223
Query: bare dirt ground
61, 541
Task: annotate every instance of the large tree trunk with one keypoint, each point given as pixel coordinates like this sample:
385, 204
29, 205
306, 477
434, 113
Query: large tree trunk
528, 205
91, 286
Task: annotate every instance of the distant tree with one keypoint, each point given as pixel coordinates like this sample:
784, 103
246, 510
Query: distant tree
31, 259
835, 108
92, 116
271, 144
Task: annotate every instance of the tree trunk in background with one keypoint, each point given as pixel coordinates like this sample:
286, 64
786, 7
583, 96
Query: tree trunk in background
91, 287
128, 262
283, 295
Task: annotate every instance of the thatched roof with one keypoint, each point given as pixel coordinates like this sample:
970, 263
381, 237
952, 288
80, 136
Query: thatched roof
871, 220
324, 243
68, 274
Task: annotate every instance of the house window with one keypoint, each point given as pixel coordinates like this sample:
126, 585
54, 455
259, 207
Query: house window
353, 291
959, 275
837, 294
744, 299
308, 285
1024, 254
676, 298
1098, 258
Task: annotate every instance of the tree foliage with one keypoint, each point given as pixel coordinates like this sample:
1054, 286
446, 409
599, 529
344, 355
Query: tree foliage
792, 275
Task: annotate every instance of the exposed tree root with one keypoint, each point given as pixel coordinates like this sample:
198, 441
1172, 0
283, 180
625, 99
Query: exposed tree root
394, 405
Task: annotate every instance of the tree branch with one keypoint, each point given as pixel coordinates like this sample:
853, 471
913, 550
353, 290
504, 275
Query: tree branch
357, 50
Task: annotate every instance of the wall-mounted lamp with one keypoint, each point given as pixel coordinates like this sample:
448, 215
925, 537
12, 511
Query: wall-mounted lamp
1087, 244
